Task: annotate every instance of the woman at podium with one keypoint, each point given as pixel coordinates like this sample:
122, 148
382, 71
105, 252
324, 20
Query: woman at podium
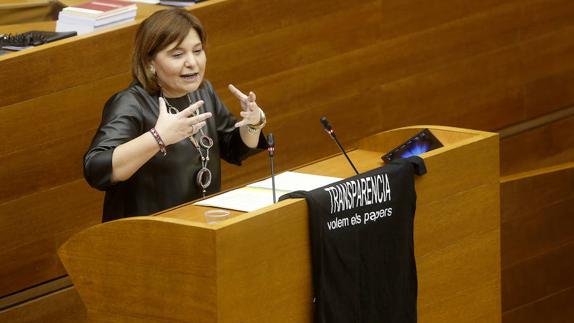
160, 141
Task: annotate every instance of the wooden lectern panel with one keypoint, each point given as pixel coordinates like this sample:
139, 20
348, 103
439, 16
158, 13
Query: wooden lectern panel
145, 268
158, 268
255, 267
264, 267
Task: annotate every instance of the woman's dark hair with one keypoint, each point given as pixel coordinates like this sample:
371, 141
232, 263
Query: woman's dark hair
156, 33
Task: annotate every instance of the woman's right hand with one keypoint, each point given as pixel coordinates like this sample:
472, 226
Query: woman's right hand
172, 128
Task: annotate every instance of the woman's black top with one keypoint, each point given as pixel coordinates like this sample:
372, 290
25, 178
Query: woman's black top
164, 181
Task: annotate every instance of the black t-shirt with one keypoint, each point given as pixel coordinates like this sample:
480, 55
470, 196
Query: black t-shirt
362, 245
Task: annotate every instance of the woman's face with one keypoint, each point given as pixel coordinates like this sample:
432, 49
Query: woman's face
180, 68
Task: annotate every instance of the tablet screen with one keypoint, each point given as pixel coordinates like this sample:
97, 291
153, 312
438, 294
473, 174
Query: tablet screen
420, 143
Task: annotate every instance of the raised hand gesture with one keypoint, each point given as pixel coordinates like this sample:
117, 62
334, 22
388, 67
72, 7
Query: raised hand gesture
174, 127
251, 113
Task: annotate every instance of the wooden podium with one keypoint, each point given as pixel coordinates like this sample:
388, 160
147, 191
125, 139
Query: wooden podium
255, 267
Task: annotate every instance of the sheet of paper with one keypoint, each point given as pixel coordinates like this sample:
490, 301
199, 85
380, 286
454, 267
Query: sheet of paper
293, 181
258, 195
245, 199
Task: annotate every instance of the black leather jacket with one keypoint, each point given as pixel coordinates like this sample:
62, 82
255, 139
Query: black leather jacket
164, 181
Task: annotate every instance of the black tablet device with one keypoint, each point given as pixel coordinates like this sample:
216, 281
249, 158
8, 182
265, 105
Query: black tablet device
420, 143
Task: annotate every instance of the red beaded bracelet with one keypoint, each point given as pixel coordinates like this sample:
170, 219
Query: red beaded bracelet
160, 142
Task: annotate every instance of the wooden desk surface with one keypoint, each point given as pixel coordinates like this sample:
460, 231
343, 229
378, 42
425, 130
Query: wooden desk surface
144, 11
333, 166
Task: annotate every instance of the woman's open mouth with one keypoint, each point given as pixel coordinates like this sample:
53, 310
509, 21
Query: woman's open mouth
191, 77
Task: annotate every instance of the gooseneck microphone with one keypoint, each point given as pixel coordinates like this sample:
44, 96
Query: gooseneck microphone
331, 132
271, 150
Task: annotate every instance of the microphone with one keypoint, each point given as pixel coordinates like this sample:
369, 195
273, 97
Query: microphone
271, 150
331, 132
327, 126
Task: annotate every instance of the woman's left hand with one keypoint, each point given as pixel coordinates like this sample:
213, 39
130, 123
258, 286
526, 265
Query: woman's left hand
251, 111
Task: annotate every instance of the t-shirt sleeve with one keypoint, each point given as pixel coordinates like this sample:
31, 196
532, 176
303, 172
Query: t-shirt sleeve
122, 121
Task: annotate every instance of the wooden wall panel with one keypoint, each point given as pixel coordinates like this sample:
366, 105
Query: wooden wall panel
34, 226
330, 34
369, 66
34, 12
548, 72
474, 95
395, 59
527, 193
63, 306
58, 130
538, 277
545, 228
61, 65
546, 16
34, 123
235, 21
537, 241
51, 165
556, 308
408, 17
551, 144
536, 213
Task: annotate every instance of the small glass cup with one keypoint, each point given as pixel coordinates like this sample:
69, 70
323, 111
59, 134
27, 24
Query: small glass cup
216, 215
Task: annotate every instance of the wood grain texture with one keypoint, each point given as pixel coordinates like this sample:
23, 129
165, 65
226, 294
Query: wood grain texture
58, 130
537, 236
536, 213
157, 267
18, 12
368, 65
63, 306
264, 268
523, 187
446, 296
546, 228
256, 265
556, 308
61, 67
538, 277
33, 228
551, 144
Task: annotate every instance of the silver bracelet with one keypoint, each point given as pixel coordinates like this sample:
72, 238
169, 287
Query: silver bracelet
262, 121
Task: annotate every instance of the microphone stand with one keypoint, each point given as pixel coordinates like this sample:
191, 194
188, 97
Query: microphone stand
331, 132
271, 150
